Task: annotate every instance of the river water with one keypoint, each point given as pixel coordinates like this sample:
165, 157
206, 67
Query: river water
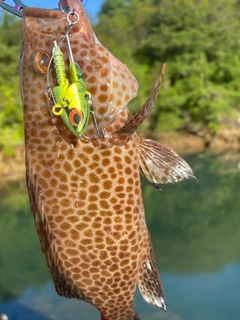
195, 229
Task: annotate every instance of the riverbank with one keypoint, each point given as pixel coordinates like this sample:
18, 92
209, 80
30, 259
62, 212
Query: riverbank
227, 139
12, 168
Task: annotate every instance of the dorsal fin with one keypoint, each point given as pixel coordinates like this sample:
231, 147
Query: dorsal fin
122, 135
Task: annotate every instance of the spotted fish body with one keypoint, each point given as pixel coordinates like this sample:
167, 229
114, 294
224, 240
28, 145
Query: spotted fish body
85, 193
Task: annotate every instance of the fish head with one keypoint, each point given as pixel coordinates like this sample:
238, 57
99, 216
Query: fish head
109, 82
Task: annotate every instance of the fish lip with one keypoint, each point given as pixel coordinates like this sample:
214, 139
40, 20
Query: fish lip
72, 5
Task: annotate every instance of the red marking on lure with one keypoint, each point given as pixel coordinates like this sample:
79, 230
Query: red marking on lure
75, 117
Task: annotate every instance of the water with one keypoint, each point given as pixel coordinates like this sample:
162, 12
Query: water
195, 229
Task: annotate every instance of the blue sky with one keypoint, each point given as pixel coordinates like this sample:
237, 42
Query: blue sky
92, 7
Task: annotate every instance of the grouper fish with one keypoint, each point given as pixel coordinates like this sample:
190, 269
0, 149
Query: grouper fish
85, 192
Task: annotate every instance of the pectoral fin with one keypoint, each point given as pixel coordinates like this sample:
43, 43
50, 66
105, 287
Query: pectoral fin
160, 164
149, 282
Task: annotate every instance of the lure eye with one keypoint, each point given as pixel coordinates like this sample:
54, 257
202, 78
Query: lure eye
40, 61
75, 117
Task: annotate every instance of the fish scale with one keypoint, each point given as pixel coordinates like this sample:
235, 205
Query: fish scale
85, 193
94, 227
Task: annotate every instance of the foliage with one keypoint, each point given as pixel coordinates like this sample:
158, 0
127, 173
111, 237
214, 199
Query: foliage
11, 122
198, 39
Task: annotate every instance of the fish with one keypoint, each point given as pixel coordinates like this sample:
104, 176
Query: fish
85, 192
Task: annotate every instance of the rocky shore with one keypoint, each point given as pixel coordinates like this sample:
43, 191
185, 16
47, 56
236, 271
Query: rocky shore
227, 138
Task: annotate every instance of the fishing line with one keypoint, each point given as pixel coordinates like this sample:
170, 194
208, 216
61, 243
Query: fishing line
85, 3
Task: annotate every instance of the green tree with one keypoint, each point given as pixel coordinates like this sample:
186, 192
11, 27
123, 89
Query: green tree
199, 41
11, 122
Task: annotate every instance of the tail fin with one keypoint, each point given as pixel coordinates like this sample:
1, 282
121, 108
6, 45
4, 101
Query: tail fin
149, 282
135, 317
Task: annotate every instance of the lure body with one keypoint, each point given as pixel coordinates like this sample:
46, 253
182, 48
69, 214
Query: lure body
70, 99
85, 193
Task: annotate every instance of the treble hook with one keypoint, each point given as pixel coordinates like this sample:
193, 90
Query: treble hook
95, 124
17, 9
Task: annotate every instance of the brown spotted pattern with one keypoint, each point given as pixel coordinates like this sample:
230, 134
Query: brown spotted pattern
85, 197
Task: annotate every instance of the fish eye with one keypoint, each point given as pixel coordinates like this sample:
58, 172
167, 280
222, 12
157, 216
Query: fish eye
40, 61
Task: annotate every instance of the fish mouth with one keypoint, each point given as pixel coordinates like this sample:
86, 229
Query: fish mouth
71, 5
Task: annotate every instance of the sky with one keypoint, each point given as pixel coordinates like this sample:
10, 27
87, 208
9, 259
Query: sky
92, 7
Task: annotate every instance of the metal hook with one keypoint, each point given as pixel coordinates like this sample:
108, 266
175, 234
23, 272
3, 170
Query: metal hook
72, 22
17, 9
96, 127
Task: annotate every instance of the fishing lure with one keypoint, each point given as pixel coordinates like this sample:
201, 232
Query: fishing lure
72, 101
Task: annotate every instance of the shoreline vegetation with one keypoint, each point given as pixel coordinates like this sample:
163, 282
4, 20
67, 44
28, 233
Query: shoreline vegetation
227, 140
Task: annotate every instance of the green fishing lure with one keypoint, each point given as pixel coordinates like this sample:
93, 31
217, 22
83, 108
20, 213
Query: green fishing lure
71, 100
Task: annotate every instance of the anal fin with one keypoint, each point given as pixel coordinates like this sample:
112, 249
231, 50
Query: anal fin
149, 282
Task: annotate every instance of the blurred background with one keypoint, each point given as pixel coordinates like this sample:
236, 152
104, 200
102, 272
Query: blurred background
195, 230
195, 225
